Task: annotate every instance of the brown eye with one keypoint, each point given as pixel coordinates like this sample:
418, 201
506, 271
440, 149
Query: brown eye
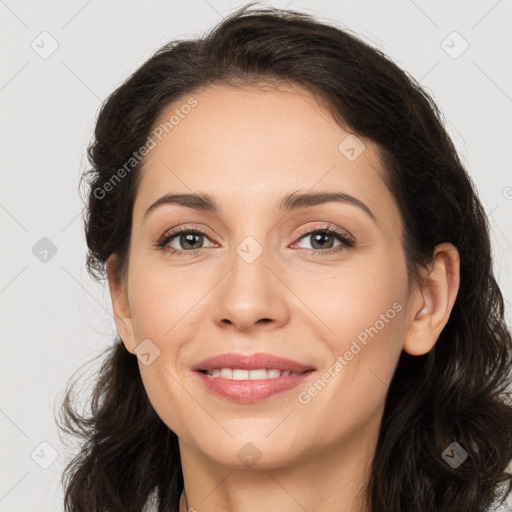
323, 240
184, 241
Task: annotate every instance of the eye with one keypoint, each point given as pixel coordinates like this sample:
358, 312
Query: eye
188, 241
322, 240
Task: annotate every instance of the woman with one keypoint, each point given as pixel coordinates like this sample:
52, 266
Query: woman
301, 280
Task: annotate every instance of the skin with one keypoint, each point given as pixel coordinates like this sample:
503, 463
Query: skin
248, 147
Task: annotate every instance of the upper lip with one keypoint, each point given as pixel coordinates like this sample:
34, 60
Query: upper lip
251, 362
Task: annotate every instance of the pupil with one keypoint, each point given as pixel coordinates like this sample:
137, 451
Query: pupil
320, 236
188, 238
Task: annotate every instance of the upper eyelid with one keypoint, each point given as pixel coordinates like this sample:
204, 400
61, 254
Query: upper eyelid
325, 226
320, 226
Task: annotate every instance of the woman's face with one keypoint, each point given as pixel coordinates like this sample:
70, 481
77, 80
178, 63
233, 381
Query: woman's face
257, 279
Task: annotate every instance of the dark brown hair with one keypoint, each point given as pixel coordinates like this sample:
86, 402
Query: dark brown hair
459, 391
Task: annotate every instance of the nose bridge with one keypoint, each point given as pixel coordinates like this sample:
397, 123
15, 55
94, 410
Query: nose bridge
249, 260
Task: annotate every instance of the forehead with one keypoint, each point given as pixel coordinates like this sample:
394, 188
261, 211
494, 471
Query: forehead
261, 125
243, 144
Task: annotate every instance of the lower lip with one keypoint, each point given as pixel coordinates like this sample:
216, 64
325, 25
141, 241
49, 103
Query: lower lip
249, 391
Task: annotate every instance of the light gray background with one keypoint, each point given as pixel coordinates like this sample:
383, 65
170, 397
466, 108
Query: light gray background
54, 318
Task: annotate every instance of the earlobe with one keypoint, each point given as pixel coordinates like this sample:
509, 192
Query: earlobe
120, 304
432, 302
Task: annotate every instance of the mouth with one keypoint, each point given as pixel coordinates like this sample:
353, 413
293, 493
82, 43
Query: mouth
257, 363
250, 378
256, 374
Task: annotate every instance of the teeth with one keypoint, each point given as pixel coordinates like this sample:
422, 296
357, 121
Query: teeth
239, 374
254, 374
226, 373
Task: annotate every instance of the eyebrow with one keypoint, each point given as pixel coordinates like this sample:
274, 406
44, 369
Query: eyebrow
289, 202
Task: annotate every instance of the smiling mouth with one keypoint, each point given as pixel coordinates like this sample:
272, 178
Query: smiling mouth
258, 374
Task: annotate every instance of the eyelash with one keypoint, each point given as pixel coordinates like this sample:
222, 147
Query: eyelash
346, 240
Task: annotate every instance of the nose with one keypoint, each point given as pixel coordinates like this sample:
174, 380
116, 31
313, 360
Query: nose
251, 295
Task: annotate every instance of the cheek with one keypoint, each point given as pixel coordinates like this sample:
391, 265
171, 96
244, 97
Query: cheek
362, 313
163, 302
360, 300
351, 389
166, 315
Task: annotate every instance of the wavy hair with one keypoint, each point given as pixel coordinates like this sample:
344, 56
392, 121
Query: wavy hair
459, 391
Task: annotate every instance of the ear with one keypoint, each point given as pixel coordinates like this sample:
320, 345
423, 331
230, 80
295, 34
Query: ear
120, 304
432, 302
